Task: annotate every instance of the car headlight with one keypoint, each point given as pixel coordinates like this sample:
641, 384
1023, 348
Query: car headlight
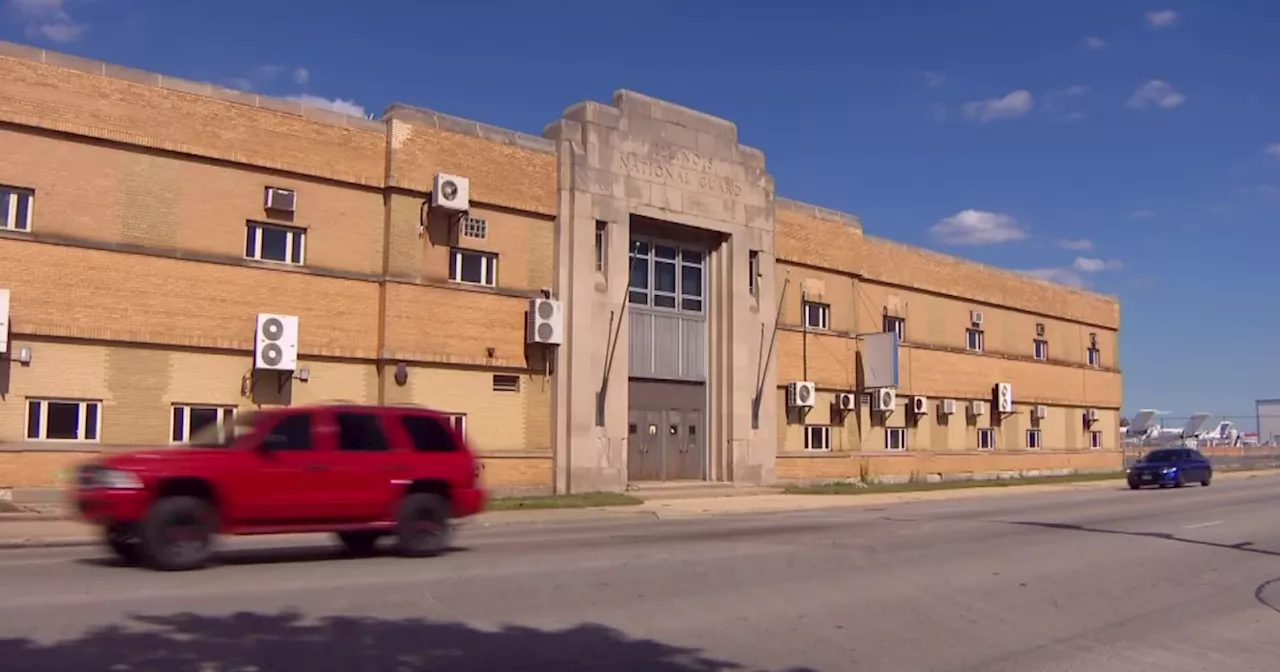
1168, 470
113, 479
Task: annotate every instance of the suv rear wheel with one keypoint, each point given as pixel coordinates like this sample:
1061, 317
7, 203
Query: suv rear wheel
422, 525
177, 533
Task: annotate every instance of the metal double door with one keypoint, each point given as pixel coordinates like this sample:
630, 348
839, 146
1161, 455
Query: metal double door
665, 445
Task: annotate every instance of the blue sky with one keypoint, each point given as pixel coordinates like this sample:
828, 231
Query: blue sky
1133, 147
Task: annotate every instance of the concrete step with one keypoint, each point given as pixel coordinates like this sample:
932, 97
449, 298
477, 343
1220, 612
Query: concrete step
673, 490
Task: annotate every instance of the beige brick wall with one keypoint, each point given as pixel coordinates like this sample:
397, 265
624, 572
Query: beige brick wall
904, 466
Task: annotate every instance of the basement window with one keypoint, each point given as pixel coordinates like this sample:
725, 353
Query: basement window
817, 438
506, 383
63, 420
15, 209
986, 438
189, 420
895, 438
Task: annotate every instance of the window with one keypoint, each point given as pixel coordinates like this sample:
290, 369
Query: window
602, 230
1033, 439
666, 276
506, 383
58, 420
1042, 350
292, 432
817, 437
817, 315
360, 432
428, 434
458, 421
1095, 440
895, 438
897, 325
270, 242
975, 340
1095, 357
474, 227
986, 438
187, 420
753, 272
474, 268
15, 209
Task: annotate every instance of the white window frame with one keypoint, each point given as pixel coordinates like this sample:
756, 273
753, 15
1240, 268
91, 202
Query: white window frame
601, 244
488, 267
811, 309
295, 238
458, 421
897, 325
1095, 357
9, 218
476, 228
1035, 440
889, 441
975, 340
44, 420
823, 432
1095, 440
986, 435
1042, 350
186, 418
753, 272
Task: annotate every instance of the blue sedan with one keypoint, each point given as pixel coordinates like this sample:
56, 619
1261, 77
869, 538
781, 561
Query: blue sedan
1174, 467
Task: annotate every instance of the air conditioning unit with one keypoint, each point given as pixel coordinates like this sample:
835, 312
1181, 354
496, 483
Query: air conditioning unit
276, 345
1039, 412
1091, 415
975, 317
920, 405
451, 192
1093, 339
1040, 329
977, 408
1004, 397
845, 401
4, 320
545, 324
884, 399
801, 394
947, 407
281, 200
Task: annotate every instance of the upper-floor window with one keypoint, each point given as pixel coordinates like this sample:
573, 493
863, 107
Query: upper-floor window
816, 315
272, 242
1042, 349
753, 272
473, 268
1095, 357
1095, 439
897, 326
15, 209
817, 437
975, 341
666, 276
1033, 439
602, 231
986, 438
895, 438
63, 420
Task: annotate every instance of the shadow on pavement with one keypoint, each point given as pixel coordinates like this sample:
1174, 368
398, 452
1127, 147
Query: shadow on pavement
287, 642
270, 555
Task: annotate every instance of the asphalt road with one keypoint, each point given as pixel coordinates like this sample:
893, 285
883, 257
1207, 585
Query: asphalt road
1094, 581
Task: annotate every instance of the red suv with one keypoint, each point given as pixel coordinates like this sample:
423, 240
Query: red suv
360, 471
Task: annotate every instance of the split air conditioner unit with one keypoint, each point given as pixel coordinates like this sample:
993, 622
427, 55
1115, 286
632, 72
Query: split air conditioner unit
451, 192
545, 322
884, 399
276, 345
1040, 412
947, 407
845, 401
975, 317
1004, 397
977, 408
801, 394
281, 200
920, 405
1091, 415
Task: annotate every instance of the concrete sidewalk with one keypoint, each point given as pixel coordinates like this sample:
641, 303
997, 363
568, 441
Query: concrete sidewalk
46, 530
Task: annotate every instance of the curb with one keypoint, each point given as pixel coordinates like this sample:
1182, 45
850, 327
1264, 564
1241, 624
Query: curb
37, 542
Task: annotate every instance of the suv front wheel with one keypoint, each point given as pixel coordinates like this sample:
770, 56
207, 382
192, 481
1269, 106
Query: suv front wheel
422, 525
178, 533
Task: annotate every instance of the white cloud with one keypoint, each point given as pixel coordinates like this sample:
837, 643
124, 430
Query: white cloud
1273, 150
1091, 265
334, 105
977, 227
1068, 244
1156, 92
301, 76
1061, 276
1142, 214
1162, 18
1095, 43
48, 19
1013, 104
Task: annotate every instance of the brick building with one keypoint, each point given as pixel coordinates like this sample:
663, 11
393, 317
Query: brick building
138, 253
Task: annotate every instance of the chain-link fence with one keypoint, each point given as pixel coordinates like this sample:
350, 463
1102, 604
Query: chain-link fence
1230, 450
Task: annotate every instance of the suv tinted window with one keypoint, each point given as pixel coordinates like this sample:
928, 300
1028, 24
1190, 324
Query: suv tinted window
428, 434
293, 432
360, 432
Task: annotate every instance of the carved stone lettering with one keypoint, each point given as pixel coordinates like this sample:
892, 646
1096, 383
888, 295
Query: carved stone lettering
681, 168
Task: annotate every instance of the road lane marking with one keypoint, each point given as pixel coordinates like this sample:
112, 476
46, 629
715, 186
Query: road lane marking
1209, 524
